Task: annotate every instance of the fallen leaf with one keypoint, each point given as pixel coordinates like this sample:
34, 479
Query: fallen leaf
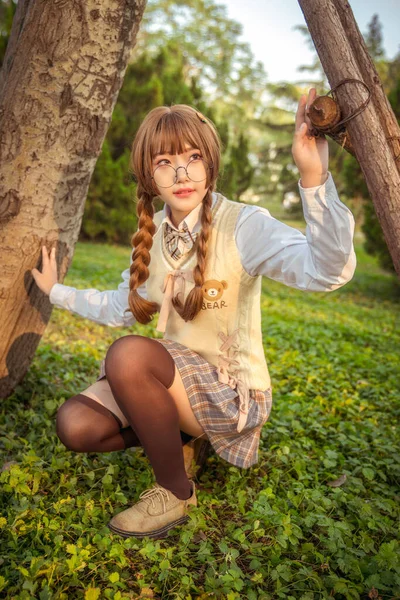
6, 466
338, 482
146, 592
199, 536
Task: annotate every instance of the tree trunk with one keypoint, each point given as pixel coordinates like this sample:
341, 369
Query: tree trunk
370, 76
62, 72
343, 55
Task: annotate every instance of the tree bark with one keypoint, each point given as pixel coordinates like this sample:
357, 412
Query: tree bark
62, 72
343, 55
370, 75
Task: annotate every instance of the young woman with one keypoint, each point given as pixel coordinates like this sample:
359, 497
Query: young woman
199, 263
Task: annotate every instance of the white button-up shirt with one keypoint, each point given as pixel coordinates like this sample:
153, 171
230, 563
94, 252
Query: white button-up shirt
312, 262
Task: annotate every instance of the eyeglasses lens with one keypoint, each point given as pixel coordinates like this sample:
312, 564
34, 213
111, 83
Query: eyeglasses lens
165, 175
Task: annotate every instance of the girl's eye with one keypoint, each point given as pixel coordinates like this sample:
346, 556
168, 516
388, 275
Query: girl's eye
165, 161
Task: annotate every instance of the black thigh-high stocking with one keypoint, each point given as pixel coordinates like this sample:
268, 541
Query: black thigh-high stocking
139, 371
84, 425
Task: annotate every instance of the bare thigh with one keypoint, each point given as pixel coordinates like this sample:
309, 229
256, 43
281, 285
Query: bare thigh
187, 420
101, 392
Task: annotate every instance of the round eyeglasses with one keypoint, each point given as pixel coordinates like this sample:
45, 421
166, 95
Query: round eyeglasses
166, 176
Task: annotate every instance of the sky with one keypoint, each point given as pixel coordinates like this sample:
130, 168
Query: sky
267, 28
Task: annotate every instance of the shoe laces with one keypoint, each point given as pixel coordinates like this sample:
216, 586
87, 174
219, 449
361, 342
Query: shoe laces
158, 493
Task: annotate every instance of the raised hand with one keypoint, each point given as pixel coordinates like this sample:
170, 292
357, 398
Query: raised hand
48, 277
311, 154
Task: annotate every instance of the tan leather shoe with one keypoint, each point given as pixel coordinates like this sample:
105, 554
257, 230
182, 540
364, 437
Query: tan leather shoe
158, 511
195, 454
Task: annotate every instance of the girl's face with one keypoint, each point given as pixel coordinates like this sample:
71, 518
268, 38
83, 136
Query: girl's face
189, 188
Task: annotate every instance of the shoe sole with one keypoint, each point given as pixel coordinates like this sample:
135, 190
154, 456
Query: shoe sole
156, 534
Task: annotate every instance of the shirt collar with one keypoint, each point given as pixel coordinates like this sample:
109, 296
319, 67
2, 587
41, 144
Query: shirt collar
192, 220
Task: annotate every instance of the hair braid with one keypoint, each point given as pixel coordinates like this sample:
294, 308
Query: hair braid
194, 301
142, 242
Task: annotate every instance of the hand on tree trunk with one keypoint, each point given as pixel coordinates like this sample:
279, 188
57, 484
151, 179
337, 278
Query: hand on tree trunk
48, 277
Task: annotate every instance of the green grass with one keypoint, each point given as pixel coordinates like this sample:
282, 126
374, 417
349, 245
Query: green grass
277, 530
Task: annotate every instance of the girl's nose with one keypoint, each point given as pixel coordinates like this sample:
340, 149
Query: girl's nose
181, 174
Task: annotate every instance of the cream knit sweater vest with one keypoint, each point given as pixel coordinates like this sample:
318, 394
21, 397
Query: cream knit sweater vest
227, 331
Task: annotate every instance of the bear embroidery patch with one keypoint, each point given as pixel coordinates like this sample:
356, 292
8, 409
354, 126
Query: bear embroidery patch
212, 293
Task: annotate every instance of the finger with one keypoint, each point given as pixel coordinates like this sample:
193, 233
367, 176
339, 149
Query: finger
45, 257
302, 131
35, 274
300, 114
53, 260
306, 112
312, 94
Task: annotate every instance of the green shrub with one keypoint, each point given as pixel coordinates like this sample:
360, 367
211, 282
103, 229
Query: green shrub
276, 531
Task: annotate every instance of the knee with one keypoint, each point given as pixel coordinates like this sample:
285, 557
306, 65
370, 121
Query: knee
71, 428
125, 356
135, 358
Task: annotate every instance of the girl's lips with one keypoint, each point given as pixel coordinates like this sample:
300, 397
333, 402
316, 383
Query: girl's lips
183, 193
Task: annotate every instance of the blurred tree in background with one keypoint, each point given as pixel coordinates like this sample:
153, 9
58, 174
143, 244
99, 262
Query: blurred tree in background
7, 12
150, 81
186, 53
347, 172
190, 52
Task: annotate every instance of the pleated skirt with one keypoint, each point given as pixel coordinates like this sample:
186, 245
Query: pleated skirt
216, 407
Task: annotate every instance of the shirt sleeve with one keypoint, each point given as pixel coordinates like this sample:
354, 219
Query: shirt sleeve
321, 260
107, 308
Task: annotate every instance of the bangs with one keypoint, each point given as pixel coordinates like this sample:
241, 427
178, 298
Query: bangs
173, 133
170, 130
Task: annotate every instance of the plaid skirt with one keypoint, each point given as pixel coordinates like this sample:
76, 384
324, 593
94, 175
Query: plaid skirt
216, 406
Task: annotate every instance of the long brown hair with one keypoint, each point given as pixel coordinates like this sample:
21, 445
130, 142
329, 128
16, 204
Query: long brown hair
167, 130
